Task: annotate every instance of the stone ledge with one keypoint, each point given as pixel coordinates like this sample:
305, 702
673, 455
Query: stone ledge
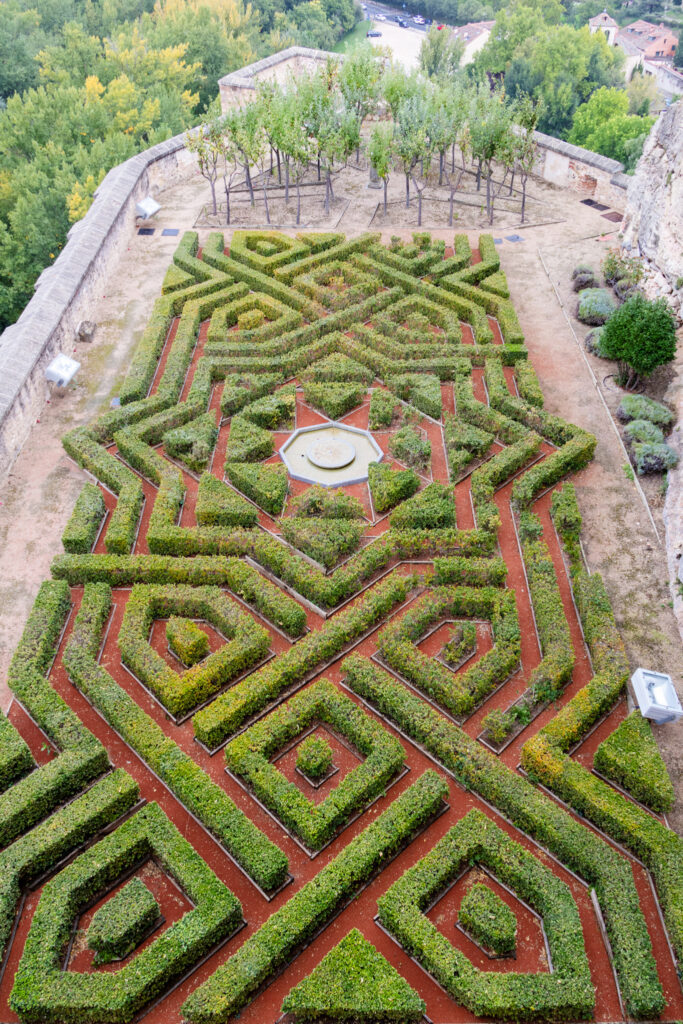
586, 156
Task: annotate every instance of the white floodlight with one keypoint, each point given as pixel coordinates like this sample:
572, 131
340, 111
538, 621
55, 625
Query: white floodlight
147, 208
656, 696
62, 370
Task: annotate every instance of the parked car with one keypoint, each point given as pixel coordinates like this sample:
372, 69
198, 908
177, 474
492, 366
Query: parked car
380, 17
418, 20
373, 34
402, 23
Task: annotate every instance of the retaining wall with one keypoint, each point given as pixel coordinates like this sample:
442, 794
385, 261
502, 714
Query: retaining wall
66, 292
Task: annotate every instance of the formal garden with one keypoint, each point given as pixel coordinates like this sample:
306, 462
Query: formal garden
321, 715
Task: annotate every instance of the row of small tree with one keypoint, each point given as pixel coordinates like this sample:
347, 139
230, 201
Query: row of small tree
317, 120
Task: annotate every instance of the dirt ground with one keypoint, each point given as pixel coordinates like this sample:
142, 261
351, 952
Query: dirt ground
619, 538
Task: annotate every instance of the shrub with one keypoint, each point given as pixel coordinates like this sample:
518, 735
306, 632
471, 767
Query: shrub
267, 486
616, 267
323, 539
638, 407
654, 458
218, 505
641, 335
593, 342
119, 925
322, 502
334, 399
390, 486
250, 319
462, 644
422, 390
186, 640
580, 269
410, 447
85, 520
273, 412
354, 982
314, 758
643, 431
630, 757
596, 306
585, 280
430, 509
382, 406
488, 920
193, 442
248, 442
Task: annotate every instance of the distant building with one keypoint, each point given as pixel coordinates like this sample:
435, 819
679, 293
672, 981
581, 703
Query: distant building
475, 36
644, 41
604, 23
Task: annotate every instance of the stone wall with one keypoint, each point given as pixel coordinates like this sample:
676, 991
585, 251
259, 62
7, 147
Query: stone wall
240, 86
580, 170
66, 291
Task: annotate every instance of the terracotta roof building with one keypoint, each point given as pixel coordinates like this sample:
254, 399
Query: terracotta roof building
650, 41
604, 23
474, 35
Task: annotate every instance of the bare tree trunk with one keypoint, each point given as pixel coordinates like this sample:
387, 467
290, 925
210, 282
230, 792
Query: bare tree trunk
386, 182
407, 191
279, 169
271, 160
419, 209
298, 202
227, 201
318, 166
512, 181
523, 195
286, 180
327, 195
441, 159
265, 200
478, 175
452, 157
329, 178
450, 208
213, 196
247, 178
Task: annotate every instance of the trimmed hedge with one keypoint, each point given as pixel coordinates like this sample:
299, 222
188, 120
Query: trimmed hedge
266, 485
118, 926
249, 756
408, 445
334, 399
488, 920
260, 858
390, 486
314, 758
219, 505
43, 991
323, 539
247, 442
423, 390
187, 641
630, 756
15, 757
57, 837
430, 509
458, 694
84, 522
566, 994
247, 642
227, 713
82, 757
539, 817
276, 942
354, 983
382, 407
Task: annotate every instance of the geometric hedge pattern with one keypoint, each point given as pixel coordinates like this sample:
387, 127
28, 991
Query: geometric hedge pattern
428, 644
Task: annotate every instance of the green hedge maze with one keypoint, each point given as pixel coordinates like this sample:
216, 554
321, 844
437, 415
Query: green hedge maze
303, 749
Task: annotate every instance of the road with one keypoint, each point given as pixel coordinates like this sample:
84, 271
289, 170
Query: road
404, 43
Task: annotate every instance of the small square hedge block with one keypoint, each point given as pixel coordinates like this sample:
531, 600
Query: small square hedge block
314, 758
489, 920
119, 925
187, 641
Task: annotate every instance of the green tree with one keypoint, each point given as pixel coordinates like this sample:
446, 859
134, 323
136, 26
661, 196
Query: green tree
604, 126
440, 55
411, 142
640, 335
380, 154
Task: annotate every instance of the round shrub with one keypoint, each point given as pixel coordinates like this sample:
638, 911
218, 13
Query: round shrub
641, 335
587, 280
314, 758
582, 268
654, 458
596, 306
638, 407
643, 431
593, 342
624, 288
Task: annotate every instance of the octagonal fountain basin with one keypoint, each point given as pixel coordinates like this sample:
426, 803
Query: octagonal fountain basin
330, 454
